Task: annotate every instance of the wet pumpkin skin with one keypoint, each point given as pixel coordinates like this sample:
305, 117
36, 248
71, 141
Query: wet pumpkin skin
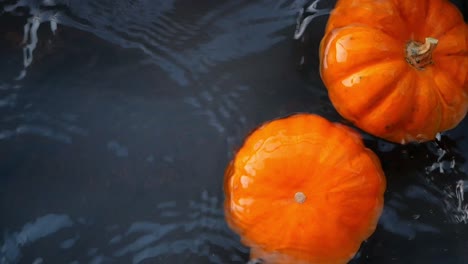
303, 190
375, 81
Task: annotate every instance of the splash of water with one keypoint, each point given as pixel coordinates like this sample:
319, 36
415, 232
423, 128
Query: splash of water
30, 37
445, 165
462, 208
234, 29
26, 119
306, 15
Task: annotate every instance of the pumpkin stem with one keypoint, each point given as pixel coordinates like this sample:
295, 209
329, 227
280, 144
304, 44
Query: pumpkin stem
300, 197
419, 54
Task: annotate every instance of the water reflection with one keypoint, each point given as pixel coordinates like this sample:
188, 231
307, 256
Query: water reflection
394, 223
37, 16
31, 232
184, 47
201, 221
136, 103
188, 48
117, 148
306, 15
58, 128
429, 175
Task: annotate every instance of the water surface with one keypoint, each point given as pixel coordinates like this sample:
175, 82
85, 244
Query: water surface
117, 119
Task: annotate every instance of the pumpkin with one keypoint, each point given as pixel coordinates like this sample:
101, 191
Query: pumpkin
397, 69
303, 190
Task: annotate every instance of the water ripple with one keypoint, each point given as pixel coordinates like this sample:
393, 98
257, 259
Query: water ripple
59, 128
31, 232
200, 220
184, 47
222, 104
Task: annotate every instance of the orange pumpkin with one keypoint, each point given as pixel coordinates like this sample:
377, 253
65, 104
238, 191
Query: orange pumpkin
397, 68
303, 190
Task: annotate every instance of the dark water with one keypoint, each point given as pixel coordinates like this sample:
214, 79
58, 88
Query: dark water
118, 117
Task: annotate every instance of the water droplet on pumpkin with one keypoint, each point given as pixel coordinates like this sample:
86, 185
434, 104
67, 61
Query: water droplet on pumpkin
245, 180
246, 201
352, 80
